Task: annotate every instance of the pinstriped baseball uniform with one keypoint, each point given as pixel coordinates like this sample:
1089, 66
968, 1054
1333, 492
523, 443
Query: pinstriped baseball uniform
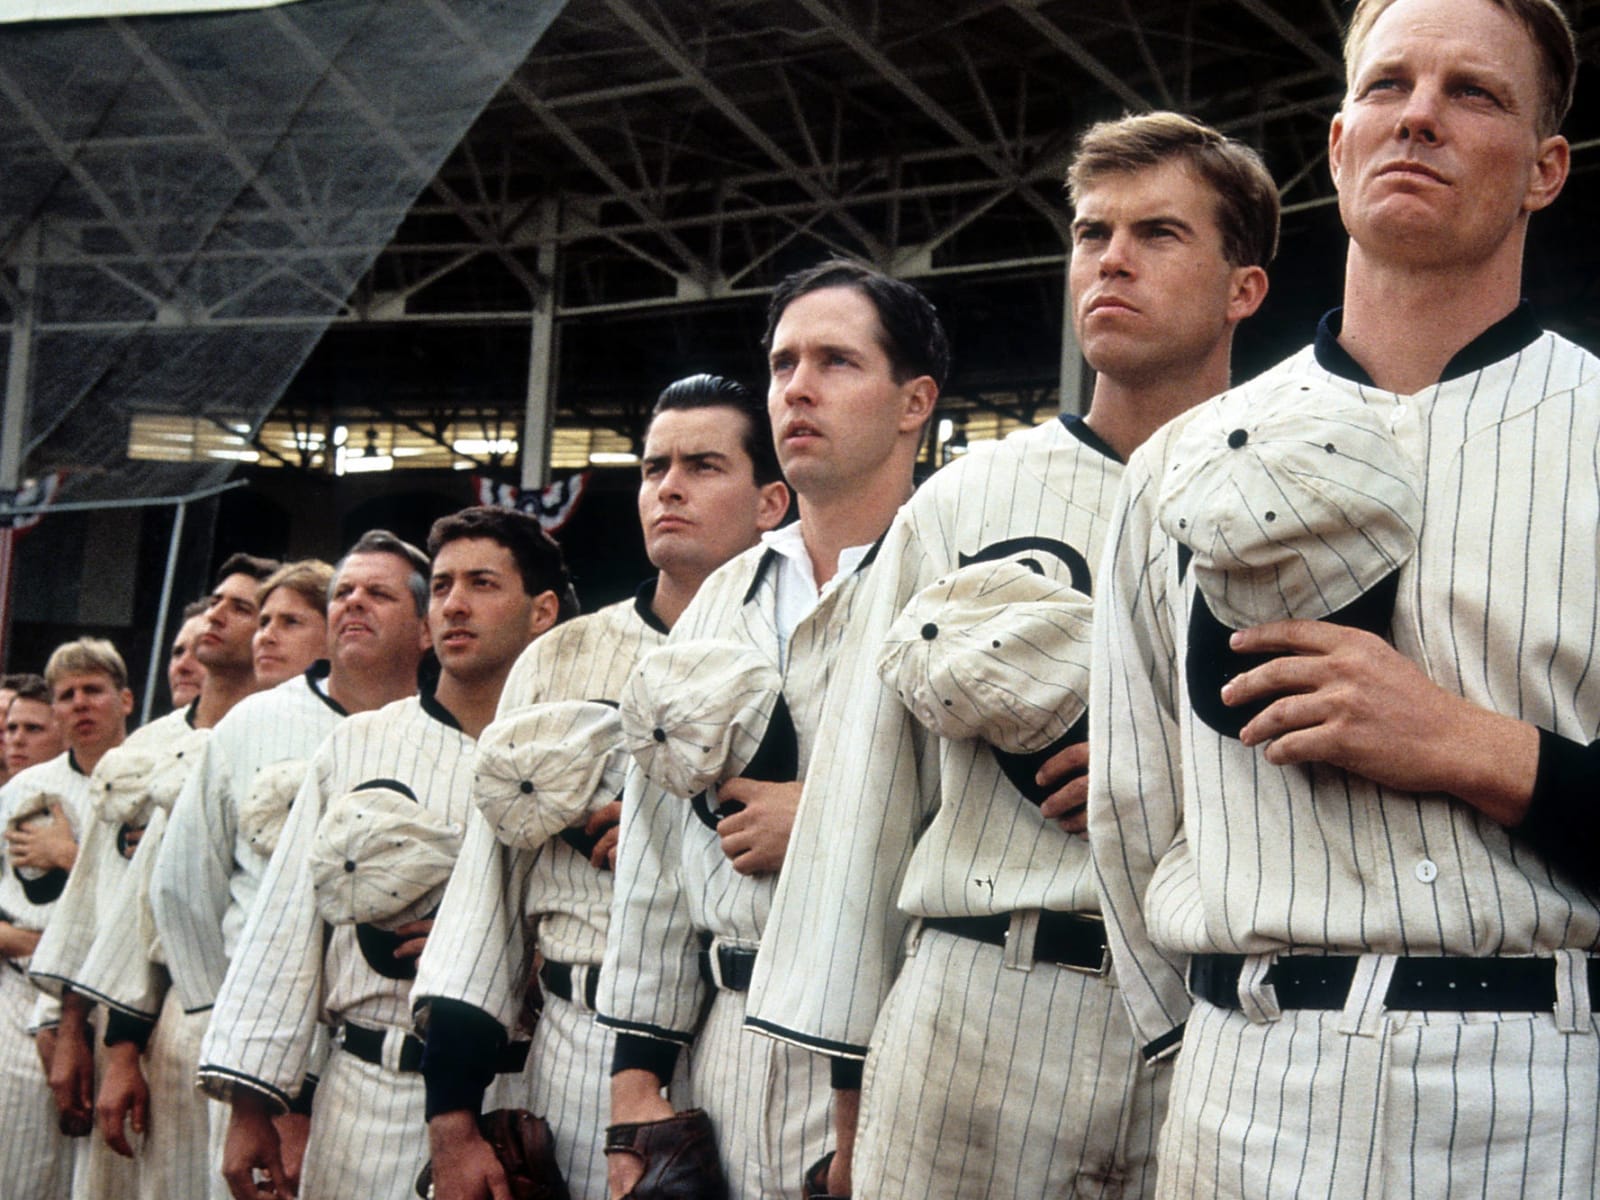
206, 874
118, 971
291, 971
1204, 844
35, 1159
769, 1102
987, 1074
504, 902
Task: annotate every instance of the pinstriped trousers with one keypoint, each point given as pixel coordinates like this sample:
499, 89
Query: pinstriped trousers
985, 1080
1444, 1105
368, 1138
35, 1160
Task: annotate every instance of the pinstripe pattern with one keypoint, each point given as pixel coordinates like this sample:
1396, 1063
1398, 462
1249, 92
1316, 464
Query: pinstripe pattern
206, 875
98, 1172
674, 882
94, 887
368, 1137
36, 1162
902, 825
289, 972
1007, 1128
1314, 858
503, 902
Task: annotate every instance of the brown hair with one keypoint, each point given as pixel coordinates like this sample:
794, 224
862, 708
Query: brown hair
1247, 199
310, 578
1546, 25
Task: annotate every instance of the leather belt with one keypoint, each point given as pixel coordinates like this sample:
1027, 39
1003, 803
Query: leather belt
367, 1045
1076, 941
732, 970
556, 979
1445, 984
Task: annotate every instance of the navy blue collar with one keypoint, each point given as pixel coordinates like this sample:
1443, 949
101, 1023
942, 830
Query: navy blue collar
427, 684
1515, 331
316, 678
1079, 428
644, 599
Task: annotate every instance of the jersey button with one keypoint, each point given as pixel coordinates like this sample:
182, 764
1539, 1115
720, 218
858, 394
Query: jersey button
1427, 870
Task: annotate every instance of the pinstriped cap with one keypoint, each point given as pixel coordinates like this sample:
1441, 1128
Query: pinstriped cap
381, 858
266, 805
995, 651
1295, 497
119, 784
694, 714
546, 767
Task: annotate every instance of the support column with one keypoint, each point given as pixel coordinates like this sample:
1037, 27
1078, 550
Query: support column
13, 419
1073, 397
539, 412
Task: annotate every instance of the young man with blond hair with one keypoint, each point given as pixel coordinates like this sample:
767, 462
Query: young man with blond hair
1370, 856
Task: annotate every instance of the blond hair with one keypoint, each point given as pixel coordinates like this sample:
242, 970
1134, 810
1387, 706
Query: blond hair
309, 578
85, 656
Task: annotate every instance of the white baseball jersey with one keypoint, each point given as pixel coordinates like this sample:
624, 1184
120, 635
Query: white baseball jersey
207, 874
35, 1159
505, 902
94, 894
291, 970
899, 824
1202, 846
674, 884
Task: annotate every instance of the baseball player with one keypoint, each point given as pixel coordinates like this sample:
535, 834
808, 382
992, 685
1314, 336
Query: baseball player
153, 1043
92, 950
856, 362
91, 700
497, 582
32, 734
184, 672
1379, 890
1173, 226
225, 823
709, 485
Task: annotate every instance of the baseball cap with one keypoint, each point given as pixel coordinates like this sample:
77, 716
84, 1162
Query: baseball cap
541, 769
697, 713
1290, 499
266, 805
38, 886
381, 858
120, 783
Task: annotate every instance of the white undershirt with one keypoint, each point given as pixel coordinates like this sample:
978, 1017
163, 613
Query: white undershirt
797, 587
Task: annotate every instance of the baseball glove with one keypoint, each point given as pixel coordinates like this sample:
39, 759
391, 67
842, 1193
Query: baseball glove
680, 1157
522, 1143
815, 1184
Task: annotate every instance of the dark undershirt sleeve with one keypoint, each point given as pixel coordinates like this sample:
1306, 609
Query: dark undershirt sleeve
125, 1027
458, 1059
1563, 821
636, 1052
845, 1074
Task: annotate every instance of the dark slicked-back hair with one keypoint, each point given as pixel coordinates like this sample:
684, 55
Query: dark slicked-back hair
381, 541
1546, 25
715, 391
912, 336
253, 565
538, 558
1247, 199
27, 686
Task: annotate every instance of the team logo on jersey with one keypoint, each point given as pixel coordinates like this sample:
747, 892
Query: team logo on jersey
1018, 548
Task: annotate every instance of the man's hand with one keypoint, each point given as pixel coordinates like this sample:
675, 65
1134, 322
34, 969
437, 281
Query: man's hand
635, 1097
44, 845
44, 1042
1067, 771
293, 1129
605, 824
464, 1164
16, 943
123, 1095
756, 838
414, 935
252, 1146
72, 1065
1347, 698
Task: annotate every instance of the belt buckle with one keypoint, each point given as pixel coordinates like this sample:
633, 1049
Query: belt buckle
714, 956
1099, 971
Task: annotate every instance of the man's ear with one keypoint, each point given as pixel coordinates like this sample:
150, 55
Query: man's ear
772, 505
126, 697
1246, 290
919, 395
546, 611
1549, 173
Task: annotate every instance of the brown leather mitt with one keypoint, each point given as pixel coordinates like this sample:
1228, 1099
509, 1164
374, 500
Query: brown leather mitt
680, 1157
522, 1143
